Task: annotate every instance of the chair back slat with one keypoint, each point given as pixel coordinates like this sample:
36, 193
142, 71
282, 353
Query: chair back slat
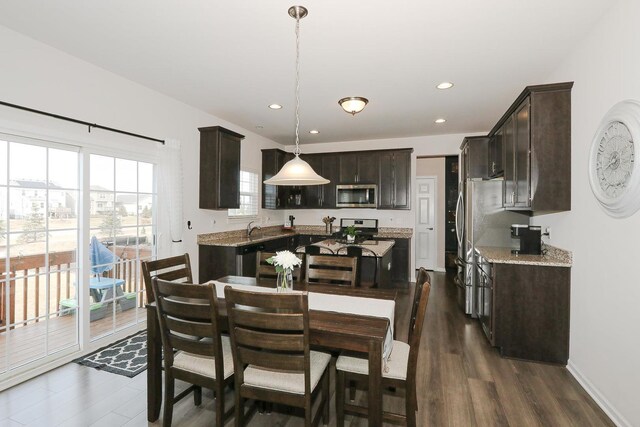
285, 362
175, 275
289, 342
259, 320
186, 310
164, 269
191, 345
184, 327
331, 269
261, 323
264, 270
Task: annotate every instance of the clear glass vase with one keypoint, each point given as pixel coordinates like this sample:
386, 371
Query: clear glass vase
284, 281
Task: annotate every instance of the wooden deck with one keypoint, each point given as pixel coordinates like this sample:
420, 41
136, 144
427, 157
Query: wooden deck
27, 343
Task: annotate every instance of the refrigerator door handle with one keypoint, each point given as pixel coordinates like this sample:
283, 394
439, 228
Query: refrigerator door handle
458, 227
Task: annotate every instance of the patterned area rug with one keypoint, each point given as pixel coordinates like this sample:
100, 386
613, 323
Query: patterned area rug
127, 357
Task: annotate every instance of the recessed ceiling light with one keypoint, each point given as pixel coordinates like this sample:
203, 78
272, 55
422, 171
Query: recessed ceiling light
275, 106
440, 121
445, 85
314, 131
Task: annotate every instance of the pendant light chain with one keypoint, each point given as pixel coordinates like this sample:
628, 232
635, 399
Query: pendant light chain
297, 149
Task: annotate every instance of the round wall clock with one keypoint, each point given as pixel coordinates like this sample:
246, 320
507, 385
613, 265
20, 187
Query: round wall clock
615, 180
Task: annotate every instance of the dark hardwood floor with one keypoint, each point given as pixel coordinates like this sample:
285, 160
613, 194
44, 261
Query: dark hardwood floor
462, 382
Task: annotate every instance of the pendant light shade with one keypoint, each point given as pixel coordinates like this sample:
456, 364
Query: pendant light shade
296, 171
353, 104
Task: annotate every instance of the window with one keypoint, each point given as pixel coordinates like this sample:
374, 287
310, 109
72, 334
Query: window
248, 196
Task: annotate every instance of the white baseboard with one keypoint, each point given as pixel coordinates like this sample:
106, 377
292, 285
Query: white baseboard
600, 400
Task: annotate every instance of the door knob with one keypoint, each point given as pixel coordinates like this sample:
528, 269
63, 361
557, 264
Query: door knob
429, 228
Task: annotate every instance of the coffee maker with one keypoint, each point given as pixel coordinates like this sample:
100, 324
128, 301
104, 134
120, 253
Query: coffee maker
529, 237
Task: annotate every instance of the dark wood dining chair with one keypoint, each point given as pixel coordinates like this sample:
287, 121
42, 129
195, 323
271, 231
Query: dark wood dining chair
359, 252
194, 350
400, 370
334, 269
173, 269
264, 270
272, 359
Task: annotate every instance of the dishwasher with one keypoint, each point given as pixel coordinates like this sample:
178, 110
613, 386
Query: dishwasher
246, 259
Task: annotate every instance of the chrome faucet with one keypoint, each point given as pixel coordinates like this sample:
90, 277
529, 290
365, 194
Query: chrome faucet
250, 228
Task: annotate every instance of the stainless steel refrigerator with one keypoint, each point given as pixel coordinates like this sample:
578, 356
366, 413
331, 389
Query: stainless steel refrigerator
480, 221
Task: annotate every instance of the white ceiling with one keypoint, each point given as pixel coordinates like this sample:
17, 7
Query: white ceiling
233, 58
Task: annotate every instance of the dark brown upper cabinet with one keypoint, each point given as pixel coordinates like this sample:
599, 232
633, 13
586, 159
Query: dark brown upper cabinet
359, 167
536, 142
496, 168
331, 171
272, 196
219, 168
394, 180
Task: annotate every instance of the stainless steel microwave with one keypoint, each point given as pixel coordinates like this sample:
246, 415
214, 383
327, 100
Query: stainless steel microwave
356, 196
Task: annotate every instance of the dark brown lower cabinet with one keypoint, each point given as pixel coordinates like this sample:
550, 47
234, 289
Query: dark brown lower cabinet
529, 311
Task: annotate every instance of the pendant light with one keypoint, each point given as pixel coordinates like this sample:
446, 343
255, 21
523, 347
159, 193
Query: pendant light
297, 171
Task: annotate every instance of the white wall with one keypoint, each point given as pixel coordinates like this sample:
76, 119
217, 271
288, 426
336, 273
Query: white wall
38, 76
605, 314
437, 145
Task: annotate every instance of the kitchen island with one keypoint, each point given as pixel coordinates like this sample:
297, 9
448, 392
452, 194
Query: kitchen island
234, 252
376, 261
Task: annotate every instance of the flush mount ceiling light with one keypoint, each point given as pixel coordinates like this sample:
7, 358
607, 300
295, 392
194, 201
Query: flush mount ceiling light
445, 85
297, 171
440, 121
353, 104
275, 106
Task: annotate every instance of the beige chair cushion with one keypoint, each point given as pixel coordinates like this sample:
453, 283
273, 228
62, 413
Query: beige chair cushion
203, 365
395, 367
287, 381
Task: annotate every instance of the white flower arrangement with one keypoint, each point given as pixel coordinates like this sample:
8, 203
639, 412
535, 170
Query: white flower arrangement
284, 261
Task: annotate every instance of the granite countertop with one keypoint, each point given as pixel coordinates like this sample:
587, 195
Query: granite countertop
236, 238
554, 257
378, 247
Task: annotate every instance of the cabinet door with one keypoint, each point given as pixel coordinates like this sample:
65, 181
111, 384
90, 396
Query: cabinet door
273, 197
522, 140
385, 181
402, 180
219, 168
495, 155
229, 194
368, 168
400, 260
313, 193
348, 168
509, 163
331, 171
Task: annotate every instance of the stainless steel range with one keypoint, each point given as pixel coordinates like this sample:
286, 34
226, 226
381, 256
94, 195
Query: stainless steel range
365, 228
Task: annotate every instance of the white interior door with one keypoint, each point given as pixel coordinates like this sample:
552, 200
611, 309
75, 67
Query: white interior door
426, 223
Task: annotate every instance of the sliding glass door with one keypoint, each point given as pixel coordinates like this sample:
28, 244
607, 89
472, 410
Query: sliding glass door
122, 222
43, 281
39, 240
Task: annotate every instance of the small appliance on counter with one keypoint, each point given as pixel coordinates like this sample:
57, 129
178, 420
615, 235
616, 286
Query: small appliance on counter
288, 225
529, 237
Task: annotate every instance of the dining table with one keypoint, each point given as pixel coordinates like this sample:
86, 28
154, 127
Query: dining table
329, 330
